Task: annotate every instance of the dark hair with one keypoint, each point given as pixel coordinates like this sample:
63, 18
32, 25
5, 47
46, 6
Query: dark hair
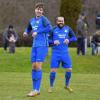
10, 26
39, 5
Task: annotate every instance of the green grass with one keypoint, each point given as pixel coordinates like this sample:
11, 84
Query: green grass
15, 86
15, 77
20, 62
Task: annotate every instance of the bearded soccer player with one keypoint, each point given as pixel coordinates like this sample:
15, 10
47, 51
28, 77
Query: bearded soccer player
62, 35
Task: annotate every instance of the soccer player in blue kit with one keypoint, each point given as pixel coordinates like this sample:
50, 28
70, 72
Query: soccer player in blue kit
62, 35
39, 26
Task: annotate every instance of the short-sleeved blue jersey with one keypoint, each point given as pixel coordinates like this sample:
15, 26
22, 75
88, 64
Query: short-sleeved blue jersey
42, 26
61, 34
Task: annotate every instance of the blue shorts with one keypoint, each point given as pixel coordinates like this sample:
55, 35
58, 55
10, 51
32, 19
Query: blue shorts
58, 58
38, 54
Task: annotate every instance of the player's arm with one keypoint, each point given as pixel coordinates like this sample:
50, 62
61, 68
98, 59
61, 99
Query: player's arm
27, 30
72, 37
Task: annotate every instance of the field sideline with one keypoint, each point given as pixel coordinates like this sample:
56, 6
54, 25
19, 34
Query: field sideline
15, 77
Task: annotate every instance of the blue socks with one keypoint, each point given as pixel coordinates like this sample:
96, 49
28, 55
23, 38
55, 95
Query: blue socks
37, 76
52, 78
67, 78
33, 79
36, 79
53, 75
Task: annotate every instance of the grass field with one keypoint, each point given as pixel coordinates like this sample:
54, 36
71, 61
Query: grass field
15, 77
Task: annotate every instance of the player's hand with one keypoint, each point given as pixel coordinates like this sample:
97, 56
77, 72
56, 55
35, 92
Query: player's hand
34, 34
56, 42
25, 34
66, 41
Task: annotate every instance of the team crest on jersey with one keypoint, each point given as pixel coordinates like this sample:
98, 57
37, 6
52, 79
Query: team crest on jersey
66, 31
37, 22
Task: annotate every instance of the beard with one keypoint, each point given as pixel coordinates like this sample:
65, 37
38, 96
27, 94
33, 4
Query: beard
60, 25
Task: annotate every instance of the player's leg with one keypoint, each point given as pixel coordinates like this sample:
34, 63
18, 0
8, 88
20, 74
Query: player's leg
41, 53
52, 78
38, 75
36, 78
67, 79
54, 65
66, 63
33, 60
68, 76
34, 81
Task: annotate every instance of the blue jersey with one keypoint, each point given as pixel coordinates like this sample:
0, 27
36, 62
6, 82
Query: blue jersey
42, 26
61, 34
